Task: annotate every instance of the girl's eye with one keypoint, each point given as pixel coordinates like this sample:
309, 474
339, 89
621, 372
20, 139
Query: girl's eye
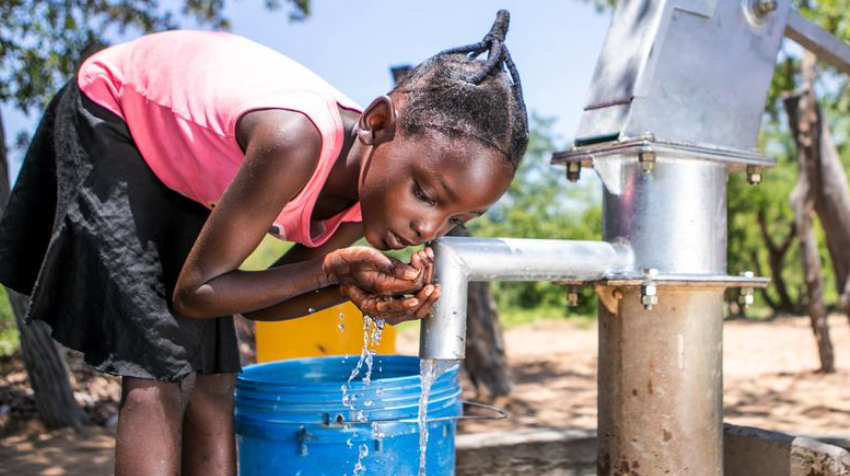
420, 194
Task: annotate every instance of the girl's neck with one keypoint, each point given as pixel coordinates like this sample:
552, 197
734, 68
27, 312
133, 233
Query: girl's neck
343, 181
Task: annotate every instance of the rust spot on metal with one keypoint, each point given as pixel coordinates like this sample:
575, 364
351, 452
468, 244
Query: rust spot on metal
649, 389
624, 467
667, 435
634, 392
635, 464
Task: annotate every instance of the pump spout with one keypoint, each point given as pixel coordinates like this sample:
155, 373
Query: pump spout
461, 260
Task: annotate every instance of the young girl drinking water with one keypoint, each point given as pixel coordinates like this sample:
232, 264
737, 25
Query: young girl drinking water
161, 167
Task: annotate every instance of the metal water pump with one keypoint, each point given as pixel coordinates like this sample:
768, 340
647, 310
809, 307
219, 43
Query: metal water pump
675, 106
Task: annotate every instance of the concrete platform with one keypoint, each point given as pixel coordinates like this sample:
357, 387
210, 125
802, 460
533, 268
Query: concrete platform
554, 452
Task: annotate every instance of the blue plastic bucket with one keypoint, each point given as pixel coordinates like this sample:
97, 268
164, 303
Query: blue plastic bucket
290, 418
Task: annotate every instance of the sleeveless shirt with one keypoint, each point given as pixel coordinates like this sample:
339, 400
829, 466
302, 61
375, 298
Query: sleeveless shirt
181, 94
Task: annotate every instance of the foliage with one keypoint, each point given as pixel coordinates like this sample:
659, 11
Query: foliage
541, 204
8, 328
43, 41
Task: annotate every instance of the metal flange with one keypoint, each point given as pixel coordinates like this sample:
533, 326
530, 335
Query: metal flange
649, 146
681, 280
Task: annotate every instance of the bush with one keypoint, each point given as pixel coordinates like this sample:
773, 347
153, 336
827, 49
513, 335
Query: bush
9, 341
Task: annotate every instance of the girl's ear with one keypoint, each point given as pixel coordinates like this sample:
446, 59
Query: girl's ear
378, 122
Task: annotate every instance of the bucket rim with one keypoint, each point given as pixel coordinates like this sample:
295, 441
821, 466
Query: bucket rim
244, 380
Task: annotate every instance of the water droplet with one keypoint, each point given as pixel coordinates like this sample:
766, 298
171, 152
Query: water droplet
311, 310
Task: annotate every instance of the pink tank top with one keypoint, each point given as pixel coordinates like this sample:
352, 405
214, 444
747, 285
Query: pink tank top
181, 93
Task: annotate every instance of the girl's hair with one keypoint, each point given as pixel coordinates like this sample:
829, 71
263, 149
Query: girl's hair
458, 95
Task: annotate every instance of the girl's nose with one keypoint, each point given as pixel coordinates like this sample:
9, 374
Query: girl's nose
425, 229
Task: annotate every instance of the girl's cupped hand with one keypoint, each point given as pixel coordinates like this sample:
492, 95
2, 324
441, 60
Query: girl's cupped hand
392, 308
375, 273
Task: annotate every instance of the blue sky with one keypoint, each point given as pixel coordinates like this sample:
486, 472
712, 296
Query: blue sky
352, 44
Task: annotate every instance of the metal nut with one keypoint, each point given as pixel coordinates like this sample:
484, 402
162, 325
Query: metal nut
746, 298
754, 175
648, 302
647, 161
573, 171
764, 7
648, 295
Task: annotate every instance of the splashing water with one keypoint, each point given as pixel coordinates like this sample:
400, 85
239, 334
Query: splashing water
429, 371
374, 341
362, 452
363, 353
371, 338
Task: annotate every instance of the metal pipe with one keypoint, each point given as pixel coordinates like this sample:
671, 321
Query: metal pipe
660, 386
460, 260
817, 40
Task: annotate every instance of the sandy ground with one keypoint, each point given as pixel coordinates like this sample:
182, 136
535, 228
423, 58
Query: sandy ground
769, 369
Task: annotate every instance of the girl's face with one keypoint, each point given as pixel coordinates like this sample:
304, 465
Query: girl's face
416, 189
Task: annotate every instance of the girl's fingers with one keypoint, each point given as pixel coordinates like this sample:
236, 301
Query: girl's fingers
422, 298
389, 286
393, 306
395, 268
426, 306
429, 278
427, 266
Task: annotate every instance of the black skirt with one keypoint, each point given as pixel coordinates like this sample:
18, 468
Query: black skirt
97, 242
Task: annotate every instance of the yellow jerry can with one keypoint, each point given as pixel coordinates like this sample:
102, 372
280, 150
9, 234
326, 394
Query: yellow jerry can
318, 334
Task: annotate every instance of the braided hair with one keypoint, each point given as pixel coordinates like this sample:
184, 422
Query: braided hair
460, 96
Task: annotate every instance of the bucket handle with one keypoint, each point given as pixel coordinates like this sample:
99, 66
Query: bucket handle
498, 414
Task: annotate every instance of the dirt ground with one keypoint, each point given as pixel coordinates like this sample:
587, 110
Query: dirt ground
769, 374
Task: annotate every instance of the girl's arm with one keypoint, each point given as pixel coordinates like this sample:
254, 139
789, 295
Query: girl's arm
346, 235
281, 152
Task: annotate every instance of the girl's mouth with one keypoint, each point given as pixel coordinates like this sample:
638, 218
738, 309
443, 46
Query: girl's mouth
394, 241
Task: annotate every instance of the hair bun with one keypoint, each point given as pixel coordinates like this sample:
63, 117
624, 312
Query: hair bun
499, 30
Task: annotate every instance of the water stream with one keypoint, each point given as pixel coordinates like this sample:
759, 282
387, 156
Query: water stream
429, 371
371, 340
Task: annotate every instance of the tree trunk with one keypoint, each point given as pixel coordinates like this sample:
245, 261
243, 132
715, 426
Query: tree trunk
804, 118
48, 375
776, 260
812, 275
486, 362
828, 178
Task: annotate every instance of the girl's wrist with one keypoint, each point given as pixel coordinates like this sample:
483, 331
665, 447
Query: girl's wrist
328, 277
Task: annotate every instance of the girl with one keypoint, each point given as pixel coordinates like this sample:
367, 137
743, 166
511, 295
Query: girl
156, 172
